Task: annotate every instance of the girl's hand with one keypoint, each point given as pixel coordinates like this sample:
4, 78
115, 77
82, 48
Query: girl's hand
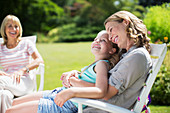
2, 73
62, 97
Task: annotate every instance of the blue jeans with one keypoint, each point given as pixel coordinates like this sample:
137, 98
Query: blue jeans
47, 104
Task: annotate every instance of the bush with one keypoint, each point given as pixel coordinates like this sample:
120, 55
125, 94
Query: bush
160, 92
72, 33
157, 21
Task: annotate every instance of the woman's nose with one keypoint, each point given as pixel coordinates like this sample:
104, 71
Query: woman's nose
110, 36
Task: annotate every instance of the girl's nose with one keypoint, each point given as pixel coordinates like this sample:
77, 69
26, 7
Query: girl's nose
98, 40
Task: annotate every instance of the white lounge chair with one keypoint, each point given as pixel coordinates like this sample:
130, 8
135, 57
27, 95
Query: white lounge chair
38, 71
158, 52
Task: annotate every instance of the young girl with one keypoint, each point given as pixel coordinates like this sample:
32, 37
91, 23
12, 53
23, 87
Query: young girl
56, 101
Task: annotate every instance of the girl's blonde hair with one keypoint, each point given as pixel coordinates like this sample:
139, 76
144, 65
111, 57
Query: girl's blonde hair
136, 29
3, 27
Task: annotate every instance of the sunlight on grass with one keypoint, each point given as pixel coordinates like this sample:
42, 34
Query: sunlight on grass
63, 57
159, 109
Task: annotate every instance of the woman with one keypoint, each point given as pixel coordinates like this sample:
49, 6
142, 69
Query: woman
128, 76
56, 101
14, 60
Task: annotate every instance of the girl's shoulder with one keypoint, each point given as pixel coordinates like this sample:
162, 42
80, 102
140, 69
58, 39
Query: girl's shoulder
102, 61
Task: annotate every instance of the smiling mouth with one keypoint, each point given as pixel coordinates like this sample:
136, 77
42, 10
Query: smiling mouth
115, 39
13, 33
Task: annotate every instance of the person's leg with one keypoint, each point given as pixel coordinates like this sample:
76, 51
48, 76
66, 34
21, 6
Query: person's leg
28, 107
6, 98
23, 88
27, 98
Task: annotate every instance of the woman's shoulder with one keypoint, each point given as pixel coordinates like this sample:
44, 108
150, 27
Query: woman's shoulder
140, 51
140, 54
26, 41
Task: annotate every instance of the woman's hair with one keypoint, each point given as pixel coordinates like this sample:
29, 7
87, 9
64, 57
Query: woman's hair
3, 27
136, 29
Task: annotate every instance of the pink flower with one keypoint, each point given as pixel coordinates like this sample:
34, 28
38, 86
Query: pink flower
149, 32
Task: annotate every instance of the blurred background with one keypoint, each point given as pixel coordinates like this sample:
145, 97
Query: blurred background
56, 23
81, 20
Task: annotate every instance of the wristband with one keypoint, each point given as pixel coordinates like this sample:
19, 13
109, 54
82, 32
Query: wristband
27, 69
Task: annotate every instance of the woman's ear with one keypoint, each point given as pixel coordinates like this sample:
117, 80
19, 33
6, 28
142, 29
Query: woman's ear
112, 51
126, 22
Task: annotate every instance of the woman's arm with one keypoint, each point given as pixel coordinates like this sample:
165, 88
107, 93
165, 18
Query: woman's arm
2, 73
99, 91
37, 60
71, 79
112, 91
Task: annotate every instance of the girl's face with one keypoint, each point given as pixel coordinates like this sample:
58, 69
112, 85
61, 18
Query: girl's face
12, 29
117, 33
102, 46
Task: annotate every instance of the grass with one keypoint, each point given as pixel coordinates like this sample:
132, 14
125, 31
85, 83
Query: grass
63, 57
159, 109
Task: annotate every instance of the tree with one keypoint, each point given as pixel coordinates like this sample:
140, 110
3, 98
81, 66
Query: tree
35, 15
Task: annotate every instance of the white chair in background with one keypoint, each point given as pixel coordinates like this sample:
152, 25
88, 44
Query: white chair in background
37, 71
158, 52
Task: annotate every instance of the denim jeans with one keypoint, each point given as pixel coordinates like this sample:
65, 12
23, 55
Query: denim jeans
47, 104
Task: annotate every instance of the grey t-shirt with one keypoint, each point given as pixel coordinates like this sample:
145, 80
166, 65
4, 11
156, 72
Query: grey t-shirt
128, 76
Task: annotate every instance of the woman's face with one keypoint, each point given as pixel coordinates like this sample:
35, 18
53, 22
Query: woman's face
12, 29
117, 33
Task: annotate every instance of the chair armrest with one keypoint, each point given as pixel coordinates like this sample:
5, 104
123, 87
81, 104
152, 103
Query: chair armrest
40, 71
100, 105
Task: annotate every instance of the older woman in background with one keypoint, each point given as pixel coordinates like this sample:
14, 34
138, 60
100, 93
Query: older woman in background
14, 60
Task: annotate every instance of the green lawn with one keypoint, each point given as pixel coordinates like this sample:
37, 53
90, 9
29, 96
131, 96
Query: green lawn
63, 57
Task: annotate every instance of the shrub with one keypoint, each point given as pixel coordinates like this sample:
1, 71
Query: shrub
72, 33
157, 21
160, 92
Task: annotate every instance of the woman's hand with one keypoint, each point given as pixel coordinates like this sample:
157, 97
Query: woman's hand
65, 77
2, 73
63, 96
17, 76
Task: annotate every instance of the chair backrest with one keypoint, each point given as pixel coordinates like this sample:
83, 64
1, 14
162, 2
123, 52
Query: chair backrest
158, 52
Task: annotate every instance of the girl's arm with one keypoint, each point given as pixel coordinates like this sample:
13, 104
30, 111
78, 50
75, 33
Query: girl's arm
99, 91
80, 83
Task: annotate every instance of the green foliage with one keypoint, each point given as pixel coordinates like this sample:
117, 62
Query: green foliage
160, 92
157, 21
94, 12
159, 109
35, 15
46, 13
71, 33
